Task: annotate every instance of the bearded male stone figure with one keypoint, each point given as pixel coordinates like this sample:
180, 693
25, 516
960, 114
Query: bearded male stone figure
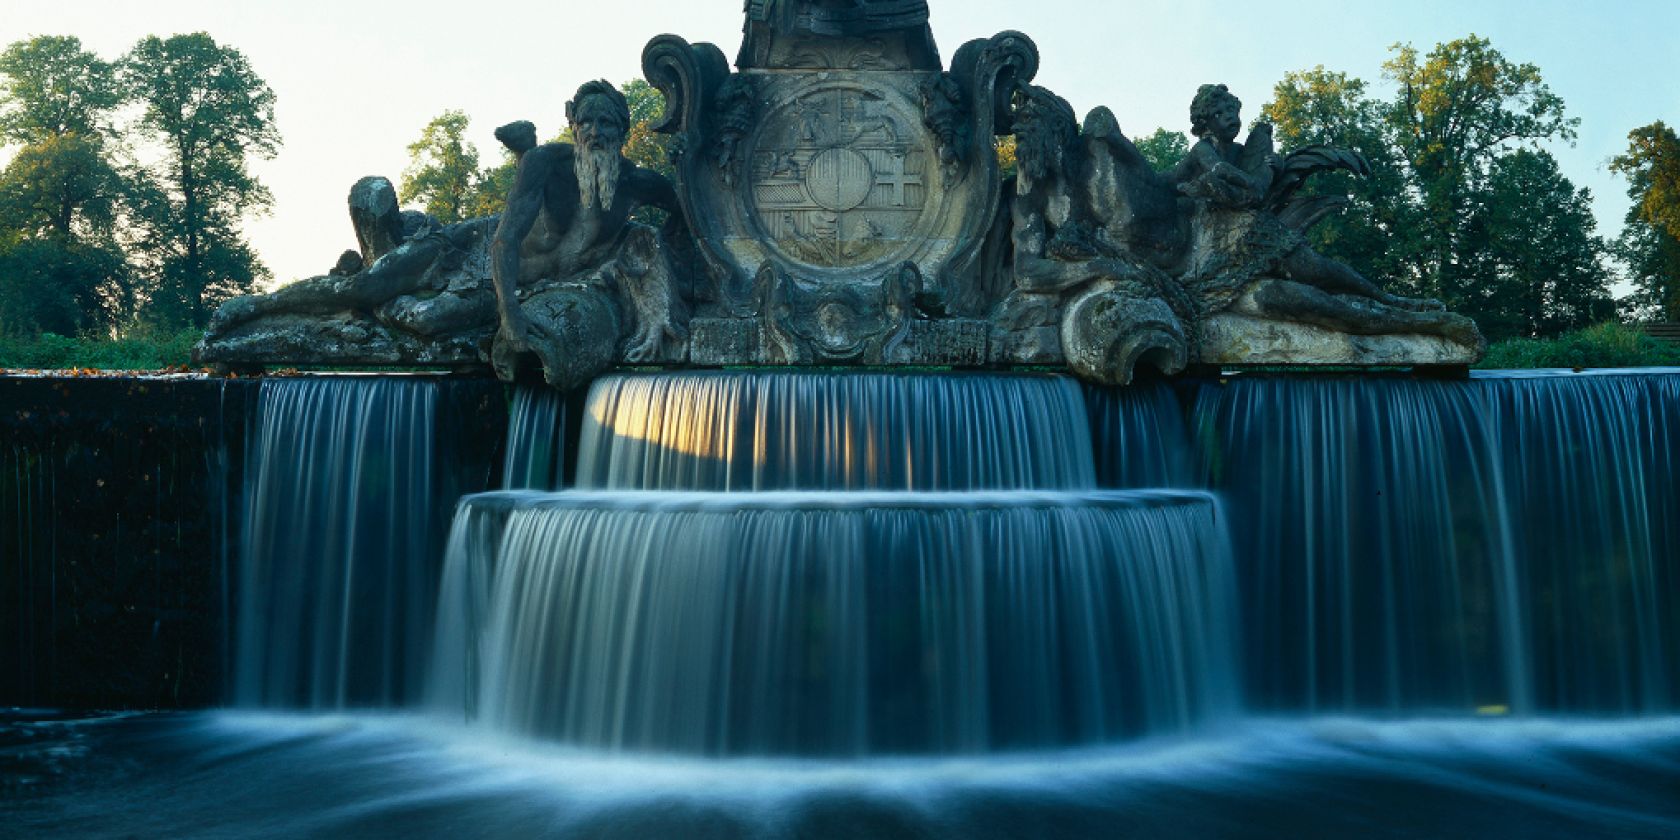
572, 272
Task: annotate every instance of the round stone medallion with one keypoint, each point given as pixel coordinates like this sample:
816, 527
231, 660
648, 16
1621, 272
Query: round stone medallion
843, 176
839, 179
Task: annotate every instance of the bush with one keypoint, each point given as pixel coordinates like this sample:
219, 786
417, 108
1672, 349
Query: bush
1608, 345
133, 352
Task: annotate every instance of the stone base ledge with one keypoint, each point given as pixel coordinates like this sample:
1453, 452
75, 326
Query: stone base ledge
1234, 339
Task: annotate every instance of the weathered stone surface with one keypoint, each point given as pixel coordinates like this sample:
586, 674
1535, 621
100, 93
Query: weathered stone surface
376, 217
837, 201
1244, 340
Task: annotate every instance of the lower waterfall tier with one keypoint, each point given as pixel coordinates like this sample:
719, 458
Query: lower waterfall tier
837, 624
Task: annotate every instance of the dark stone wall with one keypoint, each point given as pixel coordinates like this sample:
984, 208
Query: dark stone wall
115, 528
119, 516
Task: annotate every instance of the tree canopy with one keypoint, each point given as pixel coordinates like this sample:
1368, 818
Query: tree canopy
1460, 183
1650, 243
210, 112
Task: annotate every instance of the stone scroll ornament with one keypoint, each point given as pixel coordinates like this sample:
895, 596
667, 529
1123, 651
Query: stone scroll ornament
837, 201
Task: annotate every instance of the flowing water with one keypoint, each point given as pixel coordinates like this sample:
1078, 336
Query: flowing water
1419, 546
837, 624
823, 604
336, 589
834, 431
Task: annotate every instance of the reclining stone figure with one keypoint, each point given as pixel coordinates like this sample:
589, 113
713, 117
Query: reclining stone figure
563, 275
1136, 263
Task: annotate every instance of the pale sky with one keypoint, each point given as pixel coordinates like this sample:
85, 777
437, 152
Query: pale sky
356, 81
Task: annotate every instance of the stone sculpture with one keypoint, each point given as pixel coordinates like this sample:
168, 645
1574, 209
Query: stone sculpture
837, 200
572, 272
562, 277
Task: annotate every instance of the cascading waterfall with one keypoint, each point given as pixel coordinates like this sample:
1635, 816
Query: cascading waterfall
864, 564
1590, 467
834, 431
839, 624
338, 575
535, 458
816, 614
1409, 546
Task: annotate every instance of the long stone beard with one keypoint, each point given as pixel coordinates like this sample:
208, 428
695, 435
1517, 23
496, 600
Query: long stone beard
597, 176
1038, 155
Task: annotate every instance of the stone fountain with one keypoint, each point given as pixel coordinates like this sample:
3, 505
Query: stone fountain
837, 202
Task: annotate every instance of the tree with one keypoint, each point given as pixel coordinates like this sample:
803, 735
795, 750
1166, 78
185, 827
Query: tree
1377, 234
50, 88
54, 285
1164, 148
443, 169
1458, 171
59, 195
1539, 265
210, 112
1458, 109
1649, 247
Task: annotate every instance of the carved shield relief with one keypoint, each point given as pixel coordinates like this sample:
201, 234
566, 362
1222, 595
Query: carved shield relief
839, 211
842, 179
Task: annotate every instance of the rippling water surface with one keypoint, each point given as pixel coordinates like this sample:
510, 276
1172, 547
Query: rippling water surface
228, 774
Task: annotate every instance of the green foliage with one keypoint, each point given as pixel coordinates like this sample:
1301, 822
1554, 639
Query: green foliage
62, 185
1458, 109
51, 351
443, 169
1538, 262
642, 145
1607, 345
491, 188
1004, 147
1164, 149
51, 284
1650, 243
51, 87
1459, 187
1376, 235
208, 110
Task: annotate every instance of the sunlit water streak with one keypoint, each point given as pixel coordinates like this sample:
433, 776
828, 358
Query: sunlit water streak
765, 431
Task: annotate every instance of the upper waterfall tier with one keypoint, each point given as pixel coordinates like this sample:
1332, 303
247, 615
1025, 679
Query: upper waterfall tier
1506, 542
837, 623
348, 486
764, 431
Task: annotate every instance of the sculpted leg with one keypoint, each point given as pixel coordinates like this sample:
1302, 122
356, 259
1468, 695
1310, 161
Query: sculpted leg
1298, 302
401, 272
1307, 266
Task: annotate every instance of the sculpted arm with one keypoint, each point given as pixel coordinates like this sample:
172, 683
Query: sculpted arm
525, 203
1035, 272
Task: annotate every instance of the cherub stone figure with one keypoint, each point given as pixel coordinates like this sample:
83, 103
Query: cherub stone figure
567, 259
1237, 239
1136, 265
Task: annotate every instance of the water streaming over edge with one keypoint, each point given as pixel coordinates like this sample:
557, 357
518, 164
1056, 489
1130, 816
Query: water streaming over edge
1412, 545
765, 431
337, 580
837, 624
